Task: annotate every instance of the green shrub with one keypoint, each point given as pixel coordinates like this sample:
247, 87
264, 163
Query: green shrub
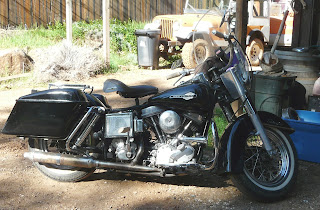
122, 38
122, 35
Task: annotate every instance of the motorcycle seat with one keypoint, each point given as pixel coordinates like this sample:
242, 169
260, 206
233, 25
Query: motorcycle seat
113, 85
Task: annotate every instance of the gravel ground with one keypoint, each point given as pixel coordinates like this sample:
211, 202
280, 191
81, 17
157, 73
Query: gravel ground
22, 186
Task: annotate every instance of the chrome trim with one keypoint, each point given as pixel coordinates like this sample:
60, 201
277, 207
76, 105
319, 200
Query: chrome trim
85, 117
82, 162
252, 114
87, 130
202, 140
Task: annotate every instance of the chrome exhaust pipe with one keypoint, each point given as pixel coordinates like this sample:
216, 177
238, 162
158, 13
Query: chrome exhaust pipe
82, 162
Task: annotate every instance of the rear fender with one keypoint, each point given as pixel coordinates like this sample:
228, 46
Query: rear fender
233, 139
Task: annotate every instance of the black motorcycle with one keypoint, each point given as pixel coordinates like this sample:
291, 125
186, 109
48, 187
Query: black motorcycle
71, 131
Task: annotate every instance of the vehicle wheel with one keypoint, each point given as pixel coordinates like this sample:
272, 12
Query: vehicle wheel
56, 172
202, 51
266, 178
255, 51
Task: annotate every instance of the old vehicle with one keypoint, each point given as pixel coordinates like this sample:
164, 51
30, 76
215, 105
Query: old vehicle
199, 19
72, 131
195, 24
264, 19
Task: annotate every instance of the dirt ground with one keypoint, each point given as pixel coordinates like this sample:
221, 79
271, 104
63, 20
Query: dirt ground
22, 186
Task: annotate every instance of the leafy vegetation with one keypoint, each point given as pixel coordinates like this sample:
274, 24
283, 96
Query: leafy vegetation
123, 40
221, 124
220, 121
122, 34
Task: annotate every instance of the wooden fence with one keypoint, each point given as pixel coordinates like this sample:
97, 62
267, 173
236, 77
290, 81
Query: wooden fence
43, 12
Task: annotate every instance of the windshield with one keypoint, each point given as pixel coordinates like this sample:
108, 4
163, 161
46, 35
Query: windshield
202, 6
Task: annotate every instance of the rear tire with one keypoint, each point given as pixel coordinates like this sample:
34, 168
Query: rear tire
56, 172
266, 178
202, 49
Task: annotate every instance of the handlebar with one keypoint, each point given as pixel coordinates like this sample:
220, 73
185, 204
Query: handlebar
228, 38
173, 75
223, 36
184, 72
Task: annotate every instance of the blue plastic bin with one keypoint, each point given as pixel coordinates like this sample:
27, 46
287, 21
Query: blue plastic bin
306, 137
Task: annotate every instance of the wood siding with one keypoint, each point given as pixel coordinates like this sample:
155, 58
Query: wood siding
43, 12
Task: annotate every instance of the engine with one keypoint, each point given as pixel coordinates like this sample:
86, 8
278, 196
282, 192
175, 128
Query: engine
124, 150
162, 138
176, 132
168, 154
169, 122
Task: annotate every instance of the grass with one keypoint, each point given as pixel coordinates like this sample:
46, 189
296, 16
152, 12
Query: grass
123, 42
20, 83
34, 38
220, 121
122, 35
221, 124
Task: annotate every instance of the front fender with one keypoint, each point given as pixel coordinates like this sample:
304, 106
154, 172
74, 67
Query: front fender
187, 34
233, 139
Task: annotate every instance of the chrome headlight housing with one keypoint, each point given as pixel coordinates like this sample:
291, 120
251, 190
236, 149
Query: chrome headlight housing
176, 26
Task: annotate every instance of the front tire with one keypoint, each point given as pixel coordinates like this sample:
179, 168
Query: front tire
266, 178
199, 48
56, 172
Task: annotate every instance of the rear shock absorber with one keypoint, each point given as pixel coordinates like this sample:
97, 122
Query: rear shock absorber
96, 112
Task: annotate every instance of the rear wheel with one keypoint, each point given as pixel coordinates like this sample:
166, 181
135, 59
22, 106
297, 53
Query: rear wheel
255, 51
57, 172
199, 48
266, 178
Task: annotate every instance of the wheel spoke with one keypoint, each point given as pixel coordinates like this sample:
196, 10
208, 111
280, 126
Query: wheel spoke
260, 166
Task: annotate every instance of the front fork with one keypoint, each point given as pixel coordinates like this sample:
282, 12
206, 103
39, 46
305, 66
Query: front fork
252, 114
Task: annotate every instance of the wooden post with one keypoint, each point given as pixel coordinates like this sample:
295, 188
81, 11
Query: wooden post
106, 30
241, 34
69, 20
242, 21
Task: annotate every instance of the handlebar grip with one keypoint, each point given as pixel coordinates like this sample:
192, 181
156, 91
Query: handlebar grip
219, 34
173, 75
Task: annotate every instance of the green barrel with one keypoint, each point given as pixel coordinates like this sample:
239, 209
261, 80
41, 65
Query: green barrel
270, 93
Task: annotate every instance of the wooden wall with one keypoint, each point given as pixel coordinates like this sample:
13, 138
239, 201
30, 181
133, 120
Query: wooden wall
43, 12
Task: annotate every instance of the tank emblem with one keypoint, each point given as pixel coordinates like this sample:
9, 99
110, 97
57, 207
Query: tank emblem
187, 96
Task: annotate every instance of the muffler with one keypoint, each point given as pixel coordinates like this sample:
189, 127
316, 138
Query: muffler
83, 162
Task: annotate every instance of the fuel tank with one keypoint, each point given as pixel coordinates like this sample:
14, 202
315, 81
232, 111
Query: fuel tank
192, 97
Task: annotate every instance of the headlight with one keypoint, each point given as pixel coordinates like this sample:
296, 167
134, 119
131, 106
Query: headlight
157, 22
176, 26
154, 25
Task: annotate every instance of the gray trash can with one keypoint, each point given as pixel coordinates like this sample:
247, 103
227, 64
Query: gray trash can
148, 47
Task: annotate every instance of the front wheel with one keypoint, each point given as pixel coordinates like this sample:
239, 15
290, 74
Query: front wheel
266, 178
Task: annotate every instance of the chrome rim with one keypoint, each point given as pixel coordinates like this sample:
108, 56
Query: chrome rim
201, 53
263, 170
255, 52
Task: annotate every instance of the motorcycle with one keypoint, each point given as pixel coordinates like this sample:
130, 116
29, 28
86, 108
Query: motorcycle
72, 131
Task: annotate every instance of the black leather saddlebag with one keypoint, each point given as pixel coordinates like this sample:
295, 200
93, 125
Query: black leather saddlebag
52, 113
